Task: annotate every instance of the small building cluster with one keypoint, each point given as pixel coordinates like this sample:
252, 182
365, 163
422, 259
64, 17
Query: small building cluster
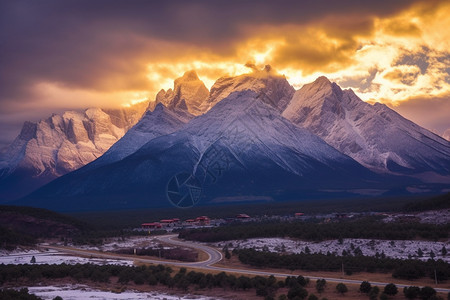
202, 221
176, 223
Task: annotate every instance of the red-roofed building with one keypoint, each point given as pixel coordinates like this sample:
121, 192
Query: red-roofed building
167, 221
203, 220
150, 225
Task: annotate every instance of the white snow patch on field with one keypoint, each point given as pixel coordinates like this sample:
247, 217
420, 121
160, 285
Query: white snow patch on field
81, 292
128, 242
402, 249
53, 257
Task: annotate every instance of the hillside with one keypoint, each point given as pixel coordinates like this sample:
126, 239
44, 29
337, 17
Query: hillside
24, 225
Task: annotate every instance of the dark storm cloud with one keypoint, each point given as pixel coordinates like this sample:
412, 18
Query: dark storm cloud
92, 44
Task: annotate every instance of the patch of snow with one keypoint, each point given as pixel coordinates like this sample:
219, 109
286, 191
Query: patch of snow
119, 243
81, 292
53, 257
402, 249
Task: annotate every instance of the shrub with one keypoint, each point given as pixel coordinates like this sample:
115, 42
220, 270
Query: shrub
341, 288
297, 292
365, 287
313, 297
411, 292
320, 285
427, 292
390, 289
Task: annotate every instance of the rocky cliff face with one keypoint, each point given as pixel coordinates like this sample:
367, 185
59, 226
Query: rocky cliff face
271, 87
188, 94
60, 144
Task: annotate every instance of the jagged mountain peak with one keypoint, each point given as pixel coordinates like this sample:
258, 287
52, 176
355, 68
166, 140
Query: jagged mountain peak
322, 87
188, 94
322, 80
190, 75
271, 86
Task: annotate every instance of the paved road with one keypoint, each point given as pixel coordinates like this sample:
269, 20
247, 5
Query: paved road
214, 256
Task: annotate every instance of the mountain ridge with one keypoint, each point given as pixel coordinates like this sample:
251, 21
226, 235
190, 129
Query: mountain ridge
228, 152
268, 119
59, 144
374, 135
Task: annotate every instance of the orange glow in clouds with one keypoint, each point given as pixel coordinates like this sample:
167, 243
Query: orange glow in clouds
383, 64
389, 60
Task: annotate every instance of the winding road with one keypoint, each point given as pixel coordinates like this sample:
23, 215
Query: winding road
214, 256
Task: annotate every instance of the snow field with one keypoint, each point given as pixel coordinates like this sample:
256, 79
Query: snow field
402, 249
81, 292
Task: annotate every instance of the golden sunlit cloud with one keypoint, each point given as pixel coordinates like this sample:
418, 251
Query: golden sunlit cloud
390, 60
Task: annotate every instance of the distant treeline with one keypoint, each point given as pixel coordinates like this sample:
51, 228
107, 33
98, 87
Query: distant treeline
369, 228
405, 269
133, 218
9, 239
45, 214
23, 226
438, 202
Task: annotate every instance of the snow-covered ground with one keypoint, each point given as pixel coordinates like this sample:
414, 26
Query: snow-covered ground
81, 292
128, 242
53, 258
394, 249
441, 216
21, 256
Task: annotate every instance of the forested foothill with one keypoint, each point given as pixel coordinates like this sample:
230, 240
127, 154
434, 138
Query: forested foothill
318, 230
404, 269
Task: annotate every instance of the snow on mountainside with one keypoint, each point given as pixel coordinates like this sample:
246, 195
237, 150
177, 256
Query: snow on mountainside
160, 121
188, 94
240, 150
275, 88
60, 144
374, 135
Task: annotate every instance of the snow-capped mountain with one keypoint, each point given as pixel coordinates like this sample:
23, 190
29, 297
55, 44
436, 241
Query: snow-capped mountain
60, 144
272, 88
374, 135
252, 139
188, 94
240, 150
